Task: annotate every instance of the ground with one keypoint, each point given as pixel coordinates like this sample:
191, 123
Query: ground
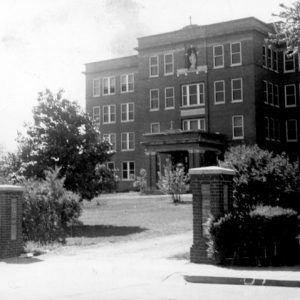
141, 254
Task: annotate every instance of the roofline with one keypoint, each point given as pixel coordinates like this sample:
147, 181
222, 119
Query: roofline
111, 59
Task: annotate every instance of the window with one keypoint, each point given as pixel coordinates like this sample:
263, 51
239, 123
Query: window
154, 100
109, 85
237, 127
127, 112
127, 83
269, 58
169, 98
169, 64
153, 66
128, 170
270, 93
275, 61
236, 90
277, 130
264, 56
111, 138
291, 131
266, 127
289, 62
154, 127
193, 94
236, 54
218, 56
109, 114
193, 124
265, 84
272, 129
96, 87
96, 115
127, 141
219, 92
276, 95
290, 95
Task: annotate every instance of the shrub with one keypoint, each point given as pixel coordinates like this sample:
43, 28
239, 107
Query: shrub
263, 178
141, 181
264, 236
48, 209
173, 182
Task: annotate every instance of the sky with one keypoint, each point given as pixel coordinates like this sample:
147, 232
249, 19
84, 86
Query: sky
45, 43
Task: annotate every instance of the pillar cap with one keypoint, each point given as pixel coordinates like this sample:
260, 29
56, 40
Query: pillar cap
211, 170
11, 188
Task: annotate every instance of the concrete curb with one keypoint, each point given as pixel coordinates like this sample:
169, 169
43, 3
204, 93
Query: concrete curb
241, 281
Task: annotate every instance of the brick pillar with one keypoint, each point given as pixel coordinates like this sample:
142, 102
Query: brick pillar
10, 221
191, 159
212, 195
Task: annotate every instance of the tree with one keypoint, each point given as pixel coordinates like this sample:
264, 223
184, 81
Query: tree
287, 30
62, 135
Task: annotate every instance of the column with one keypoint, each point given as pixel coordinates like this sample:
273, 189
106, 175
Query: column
151, 170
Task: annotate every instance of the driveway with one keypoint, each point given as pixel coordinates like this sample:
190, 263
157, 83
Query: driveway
142, 269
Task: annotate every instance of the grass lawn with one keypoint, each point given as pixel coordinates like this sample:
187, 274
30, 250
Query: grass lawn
130, 216
112, 218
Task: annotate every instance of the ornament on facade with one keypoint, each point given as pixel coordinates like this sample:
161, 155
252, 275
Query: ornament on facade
192, 57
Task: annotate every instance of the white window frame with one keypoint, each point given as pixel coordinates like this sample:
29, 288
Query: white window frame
109, 114
127, 82
200, 121
270, 59
221, 91
98, 88
173, 98
96, 117
275, 60
125, 137
216, 56
130, 175
296, 127
112, 139
284, 63
112, 163
241, 89
150, 65
109, 85
165, 64
154, 124
127, 111
233, 127
232, 53
151, 99
264, 57
266, 95
285, 95
271, 93
199, 103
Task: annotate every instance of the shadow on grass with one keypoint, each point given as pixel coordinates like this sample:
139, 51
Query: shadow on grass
21, 260
92, 231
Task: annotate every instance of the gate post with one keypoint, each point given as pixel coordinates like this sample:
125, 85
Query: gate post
212, 196
11, 242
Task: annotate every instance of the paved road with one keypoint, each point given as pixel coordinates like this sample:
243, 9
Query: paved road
133, 270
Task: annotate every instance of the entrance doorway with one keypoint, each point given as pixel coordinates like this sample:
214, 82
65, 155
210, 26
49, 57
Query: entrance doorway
175, 157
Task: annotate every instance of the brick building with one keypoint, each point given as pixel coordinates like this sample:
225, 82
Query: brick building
189, 93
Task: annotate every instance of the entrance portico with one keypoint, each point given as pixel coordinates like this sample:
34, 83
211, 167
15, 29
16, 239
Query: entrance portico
192, 149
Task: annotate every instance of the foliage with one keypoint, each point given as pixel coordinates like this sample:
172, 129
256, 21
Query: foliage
62, 135
141, 181
264, 236
173, 181
48, 209
288, 28
263, 178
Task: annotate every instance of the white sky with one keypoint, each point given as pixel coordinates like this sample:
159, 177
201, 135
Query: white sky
45, 43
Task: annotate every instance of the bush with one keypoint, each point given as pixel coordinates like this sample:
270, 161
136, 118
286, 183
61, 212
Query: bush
141, 181
263, 178
48, 209
173, 182
264, 236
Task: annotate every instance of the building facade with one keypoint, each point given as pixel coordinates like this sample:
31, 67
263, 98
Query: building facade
190, 93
